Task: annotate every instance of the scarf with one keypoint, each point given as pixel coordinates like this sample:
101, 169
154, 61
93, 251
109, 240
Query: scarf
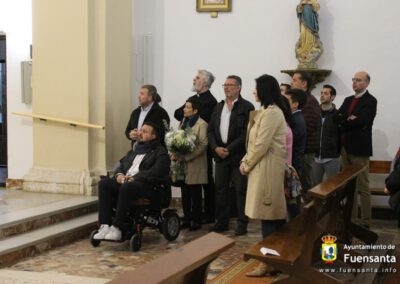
143, 148
189, 122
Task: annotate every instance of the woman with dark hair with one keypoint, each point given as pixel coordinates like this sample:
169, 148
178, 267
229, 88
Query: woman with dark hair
264, 162
195, 165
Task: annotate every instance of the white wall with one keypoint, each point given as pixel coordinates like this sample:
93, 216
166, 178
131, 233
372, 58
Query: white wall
258, 37
16, 23
148, 16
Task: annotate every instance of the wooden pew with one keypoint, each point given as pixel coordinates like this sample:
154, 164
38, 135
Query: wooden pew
187, 264
379, 167
299, 243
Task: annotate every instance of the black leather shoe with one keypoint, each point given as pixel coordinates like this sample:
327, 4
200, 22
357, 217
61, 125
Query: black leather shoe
219, 228
241, 230
185, 225
208, 220
194, 226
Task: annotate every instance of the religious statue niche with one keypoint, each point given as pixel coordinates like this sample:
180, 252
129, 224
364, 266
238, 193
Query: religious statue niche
309, 47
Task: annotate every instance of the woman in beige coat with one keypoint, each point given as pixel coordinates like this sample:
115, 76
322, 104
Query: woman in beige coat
195, 166
264, 162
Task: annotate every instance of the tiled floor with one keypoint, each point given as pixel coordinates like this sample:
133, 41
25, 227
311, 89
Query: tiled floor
111, 259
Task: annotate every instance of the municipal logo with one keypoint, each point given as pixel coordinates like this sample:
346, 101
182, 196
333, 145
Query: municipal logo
329, 249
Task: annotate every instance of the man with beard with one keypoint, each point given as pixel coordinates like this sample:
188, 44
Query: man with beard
137, 176
201, 85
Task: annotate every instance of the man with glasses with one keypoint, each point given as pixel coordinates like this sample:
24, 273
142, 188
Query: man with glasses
226, 137
201, 85
355, 117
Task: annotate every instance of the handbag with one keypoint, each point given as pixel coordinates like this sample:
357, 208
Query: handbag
292, 184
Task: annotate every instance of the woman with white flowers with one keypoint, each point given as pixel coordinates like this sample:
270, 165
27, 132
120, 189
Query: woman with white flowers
195, 165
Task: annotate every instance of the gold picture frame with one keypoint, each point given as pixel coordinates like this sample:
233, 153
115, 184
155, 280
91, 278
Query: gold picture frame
214, 5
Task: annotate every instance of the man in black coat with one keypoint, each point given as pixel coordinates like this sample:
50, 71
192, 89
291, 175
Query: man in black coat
327, 162
201, 85
312, 115
392, 186
137, 176
227, 137
148, 111
356, 117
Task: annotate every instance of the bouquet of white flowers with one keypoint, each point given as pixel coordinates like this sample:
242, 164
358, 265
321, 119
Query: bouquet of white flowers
180, 142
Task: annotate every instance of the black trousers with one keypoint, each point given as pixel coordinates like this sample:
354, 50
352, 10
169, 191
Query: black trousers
191, 203
209, 189
224, 175
120, 196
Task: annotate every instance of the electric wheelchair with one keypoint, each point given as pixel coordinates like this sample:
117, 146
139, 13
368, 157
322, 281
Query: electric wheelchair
144, 214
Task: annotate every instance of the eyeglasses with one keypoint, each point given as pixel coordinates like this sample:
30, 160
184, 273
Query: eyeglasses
357, 80
228, 85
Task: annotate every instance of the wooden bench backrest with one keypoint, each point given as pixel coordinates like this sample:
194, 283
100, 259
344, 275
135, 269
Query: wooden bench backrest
333, 184
176, 266
301, 223
379, 167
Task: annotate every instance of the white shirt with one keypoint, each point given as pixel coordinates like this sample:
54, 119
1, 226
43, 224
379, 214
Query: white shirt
134, 169
360, 95
143, 114
225, 118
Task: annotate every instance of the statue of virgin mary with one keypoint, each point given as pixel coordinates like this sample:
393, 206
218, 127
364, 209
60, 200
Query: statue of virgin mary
309, 47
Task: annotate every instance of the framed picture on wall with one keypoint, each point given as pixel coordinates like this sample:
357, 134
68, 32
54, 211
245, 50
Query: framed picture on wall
214, 5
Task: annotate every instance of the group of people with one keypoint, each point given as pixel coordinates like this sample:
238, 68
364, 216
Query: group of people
250, 148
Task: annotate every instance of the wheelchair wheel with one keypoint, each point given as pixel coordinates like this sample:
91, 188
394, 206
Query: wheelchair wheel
95, 243
136, 242
171, 226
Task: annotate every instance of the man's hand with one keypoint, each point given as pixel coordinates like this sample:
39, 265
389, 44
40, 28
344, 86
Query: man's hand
134, 134
175, 157
242, 170
351, 117
222, 152
120, 178
386, 191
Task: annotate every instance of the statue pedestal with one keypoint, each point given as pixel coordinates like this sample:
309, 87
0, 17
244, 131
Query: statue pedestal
318, 75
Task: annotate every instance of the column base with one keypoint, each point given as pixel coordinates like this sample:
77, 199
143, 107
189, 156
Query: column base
50, 180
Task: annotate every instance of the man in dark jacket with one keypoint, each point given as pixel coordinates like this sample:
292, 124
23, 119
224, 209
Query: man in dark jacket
201, 85
356, 117
311, 111
392, 186
227, 137
138, 175
392, 182
327, 158
148, 111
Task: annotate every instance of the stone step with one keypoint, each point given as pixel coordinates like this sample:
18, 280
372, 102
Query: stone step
52, 277
22, 221
39, 240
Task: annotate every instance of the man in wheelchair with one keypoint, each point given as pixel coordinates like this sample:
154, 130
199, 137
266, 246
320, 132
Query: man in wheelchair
140, 171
